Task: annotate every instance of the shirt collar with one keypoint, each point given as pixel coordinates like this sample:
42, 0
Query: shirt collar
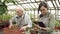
19, 16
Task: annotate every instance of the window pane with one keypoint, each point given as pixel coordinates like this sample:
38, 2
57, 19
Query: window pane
53, 11
59, 12
33, 0
28, 5
54, 3
57, 3
24, 5
36, 5
50, 4
37, 0
11, 7
32, 5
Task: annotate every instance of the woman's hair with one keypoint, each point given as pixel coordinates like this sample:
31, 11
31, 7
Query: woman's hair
42, 4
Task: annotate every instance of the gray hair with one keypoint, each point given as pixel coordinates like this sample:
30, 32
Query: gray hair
18, 6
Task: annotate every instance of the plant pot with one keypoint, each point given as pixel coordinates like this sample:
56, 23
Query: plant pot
11, 31
57, 27
4, 23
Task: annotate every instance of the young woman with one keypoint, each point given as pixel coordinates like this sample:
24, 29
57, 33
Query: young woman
46, 18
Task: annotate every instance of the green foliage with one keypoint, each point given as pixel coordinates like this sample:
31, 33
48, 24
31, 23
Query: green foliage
5, 17
3, 9
3, 6
57, 23
10, 1
31, 16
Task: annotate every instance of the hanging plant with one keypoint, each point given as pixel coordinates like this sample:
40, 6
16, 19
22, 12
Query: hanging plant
3, 6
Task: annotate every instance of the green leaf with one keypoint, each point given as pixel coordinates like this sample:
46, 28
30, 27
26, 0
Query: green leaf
10, 1
3, 8
57, 23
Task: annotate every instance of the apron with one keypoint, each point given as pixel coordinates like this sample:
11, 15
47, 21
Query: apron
45, 32
22, 22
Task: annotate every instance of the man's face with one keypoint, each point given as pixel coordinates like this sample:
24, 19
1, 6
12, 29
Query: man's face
43, 10
19, 12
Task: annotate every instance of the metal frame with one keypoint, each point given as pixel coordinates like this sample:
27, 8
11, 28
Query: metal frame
30, 9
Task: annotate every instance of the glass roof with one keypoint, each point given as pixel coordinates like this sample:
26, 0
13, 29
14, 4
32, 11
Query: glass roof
50, 4
59, 12
33, 4
36, 5
24, 5
30, 5
57, 3
10, 7
37, 0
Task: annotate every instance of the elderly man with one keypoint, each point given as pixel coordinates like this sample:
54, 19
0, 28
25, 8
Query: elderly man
21, 19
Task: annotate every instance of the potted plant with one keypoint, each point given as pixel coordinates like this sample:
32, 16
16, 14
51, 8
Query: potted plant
57, 25
3, 8
4, 20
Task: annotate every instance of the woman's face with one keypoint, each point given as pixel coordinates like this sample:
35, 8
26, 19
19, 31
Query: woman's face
43, 10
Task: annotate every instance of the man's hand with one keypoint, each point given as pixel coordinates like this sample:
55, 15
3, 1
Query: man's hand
23, 28
10, 26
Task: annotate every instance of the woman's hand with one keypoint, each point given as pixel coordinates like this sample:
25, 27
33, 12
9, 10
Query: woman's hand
43, 28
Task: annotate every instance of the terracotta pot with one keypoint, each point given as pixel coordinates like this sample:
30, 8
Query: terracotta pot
4, 23
11, 31
57, 28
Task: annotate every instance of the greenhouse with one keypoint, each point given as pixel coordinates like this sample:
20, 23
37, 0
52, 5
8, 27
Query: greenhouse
29, 16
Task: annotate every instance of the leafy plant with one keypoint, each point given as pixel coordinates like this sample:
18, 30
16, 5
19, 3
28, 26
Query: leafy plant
31, 16
3, 6
10, 1
57, 23
5, 17
4, 20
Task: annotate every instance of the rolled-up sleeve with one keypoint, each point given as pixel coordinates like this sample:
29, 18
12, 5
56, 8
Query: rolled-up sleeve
29, 21
12, 20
